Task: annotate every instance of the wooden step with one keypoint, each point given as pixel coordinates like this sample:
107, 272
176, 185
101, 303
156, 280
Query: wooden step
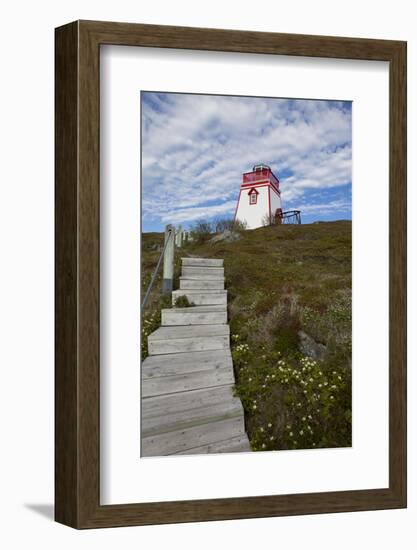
187, 381
207, 273
202, 297
202, 262
183, 419
237, 444
188, 404
190, 338
172, 364
191, 437
195, 315
201, 284
187, 401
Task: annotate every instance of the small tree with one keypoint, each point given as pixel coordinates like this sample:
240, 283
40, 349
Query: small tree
222, 224
229, 224
240, 225
201, 230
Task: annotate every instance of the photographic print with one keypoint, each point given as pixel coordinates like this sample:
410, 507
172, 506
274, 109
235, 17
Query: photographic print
246, 247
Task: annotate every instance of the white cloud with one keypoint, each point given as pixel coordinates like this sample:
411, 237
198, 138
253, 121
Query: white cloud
196, 213
195, 149
339, 205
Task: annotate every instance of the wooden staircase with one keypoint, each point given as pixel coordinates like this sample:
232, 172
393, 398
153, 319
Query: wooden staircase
188, 405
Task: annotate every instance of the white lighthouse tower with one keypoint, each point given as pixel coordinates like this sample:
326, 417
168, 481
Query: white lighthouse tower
259, 200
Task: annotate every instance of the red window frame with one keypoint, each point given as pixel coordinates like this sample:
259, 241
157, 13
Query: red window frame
253, 197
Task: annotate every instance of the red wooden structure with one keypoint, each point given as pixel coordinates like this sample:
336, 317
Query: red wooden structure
260, 173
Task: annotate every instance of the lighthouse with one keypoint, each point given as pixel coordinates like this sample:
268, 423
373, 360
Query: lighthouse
259, 200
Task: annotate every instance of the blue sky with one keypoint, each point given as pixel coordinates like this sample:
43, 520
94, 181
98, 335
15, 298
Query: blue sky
196, 147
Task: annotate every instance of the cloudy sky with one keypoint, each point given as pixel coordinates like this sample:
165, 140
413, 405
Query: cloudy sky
196, 147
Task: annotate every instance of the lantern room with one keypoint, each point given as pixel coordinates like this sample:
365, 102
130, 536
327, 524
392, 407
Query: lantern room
261, 173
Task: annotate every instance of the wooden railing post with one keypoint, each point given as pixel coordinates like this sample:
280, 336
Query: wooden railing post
178, 237
168, 275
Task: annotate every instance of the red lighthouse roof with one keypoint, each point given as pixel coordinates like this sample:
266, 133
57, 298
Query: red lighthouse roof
260, 173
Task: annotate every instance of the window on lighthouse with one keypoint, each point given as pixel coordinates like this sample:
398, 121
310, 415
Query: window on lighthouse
252, 198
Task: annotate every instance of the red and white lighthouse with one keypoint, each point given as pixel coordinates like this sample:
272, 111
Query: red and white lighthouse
259, 200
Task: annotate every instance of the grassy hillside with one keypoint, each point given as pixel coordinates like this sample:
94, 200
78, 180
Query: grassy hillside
289, 305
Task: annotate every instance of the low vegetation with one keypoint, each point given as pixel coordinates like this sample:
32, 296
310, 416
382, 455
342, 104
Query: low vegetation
183, 301
202, 231
287, 285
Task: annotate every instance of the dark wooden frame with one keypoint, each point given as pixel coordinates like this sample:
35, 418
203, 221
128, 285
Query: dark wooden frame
77, 374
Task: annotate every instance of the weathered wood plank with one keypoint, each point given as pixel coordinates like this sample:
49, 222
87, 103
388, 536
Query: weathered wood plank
168, 404
201, 284
180, 440
187, 381
191, 316
195, 357
210, 307
202, 262
190, 338
186, 419
181, 345
202, 297
174, 333
208, 273
180, 363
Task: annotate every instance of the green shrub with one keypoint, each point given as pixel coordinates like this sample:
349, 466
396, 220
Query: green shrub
182, 301
286, 340
296, 403
150, 323
151, 320
223, 224
333, 326
201, 231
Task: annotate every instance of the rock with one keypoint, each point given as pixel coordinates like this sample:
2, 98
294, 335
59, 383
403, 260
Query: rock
227, 235
308, 346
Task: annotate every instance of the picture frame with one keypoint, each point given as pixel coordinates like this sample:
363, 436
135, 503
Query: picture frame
77, 272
